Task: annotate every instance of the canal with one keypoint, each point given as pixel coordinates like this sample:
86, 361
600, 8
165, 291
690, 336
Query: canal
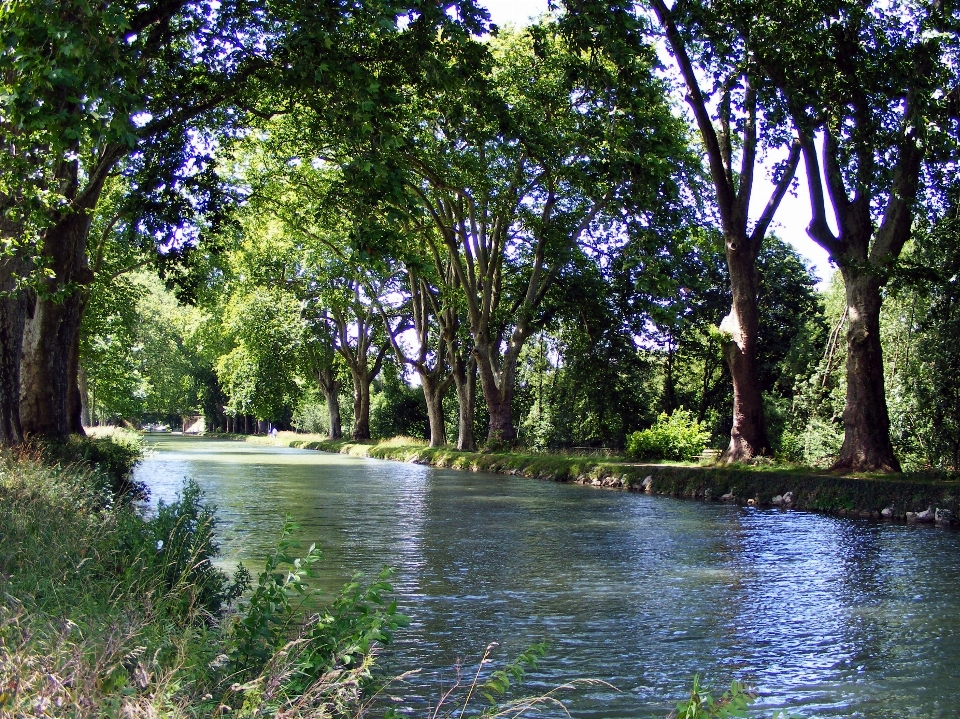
827, 617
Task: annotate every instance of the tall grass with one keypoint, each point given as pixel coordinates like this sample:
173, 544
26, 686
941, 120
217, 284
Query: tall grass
104, 612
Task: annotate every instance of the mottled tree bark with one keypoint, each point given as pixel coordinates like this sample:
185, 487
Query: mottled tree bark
356, 354
14, 303
51, 333
866, 439
46, 381
497, 382
464, 372
748, 436
734, 188
865, 253
327, 378
74, 397
13, 312
434, 389
361, 404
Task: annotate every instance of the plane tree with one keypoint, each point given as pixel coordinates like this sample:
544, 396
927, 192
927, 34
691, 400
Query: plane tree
517, 171
736, 125
88, 88
872, 91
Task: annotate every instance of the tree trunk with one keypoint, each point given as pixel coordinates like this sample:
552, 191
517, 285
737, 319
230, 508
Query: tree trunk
866, 439
84, 397
45, 368
361, 406
13, 312
465, 381
497, 395
433, 392
74, 397
748, 436
331, 394
51, 332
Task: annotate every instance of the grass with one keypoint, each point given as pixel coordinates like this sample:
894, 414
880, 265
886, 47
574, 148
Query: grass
105, 612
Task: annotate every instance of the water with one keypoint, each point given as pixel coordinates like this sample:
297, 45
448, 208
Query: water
827, 617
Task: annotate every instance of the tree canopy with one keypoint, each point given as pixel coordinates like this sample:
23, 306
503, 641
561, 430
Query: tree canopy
240, 209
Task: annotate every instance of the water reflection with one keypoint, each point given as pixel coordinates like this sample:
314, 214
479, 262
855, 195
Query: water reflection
828, 617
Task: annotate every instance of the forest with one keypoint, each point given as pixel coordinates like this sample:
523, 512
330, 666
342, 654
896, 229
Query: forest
388, 218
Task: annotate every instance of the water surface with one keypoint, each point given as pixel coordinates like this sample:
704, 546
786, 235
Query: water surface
828, 617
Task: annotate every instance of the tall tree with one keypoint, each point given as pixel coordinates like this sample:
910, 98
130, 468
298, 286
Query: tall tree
429, 360
517, 171
87, 86
741, 128
878, 84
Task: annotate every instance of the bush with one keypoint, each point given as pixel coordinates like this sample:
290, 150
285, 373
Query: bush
112, 455
176, 549
677, 436
816, 445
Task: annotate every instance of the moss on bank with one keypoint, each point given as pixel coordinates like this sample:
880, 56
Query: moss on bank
865, 496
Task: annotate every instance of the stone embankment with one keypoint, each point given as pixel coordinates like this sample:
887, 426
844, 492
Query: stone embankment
893, 497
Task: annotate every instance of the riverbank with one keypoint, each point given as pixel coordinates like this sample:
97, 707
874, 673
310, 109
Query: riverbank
898, 497
109, 611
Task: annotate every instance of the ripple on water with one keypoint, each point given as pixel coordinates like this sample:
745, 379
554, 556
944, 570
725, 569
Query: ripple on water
829, 617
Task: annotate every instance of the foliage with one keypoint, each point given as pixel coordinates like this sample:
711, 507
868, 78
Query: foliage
112, 455
146, 356
396, 408
259, 372
702, 705
107, 612
923, 359
181, 548
676, 436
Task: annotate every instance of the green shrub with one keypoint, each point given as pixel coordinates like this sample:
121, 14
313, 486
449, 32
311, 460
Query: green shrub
816, 445
324, 660
176, 549
112, 455
677, 436
702, 705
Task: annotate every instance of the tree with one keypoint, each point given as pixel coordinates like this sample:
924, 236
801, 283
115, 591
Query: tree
877, 83
740, 127
517, 171
259, 373
932, 374
89, 86
429, 362
85, 87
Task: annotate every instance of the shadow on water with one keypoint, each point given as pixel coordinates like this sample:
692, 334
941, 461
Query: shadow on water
828, 617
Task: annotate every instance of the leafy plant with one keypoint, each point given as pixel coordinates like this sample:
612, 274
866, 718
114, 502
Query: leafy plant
702, 705
676, 436
262, 623
341, 636
173, 551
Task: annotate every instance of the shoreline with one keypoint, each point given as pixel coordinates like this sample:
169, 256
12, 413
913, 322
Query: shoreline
903, 498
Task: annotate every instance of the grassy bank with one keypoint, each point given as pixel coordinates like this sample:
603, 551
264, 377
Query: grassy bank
107, 612
877, 496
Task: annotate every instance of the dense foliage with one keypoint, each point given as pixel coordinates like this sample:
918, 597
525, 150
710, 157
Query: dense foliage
396, 218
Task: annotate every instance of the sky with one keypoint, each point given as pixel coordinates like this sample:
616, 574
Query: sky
792, 217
